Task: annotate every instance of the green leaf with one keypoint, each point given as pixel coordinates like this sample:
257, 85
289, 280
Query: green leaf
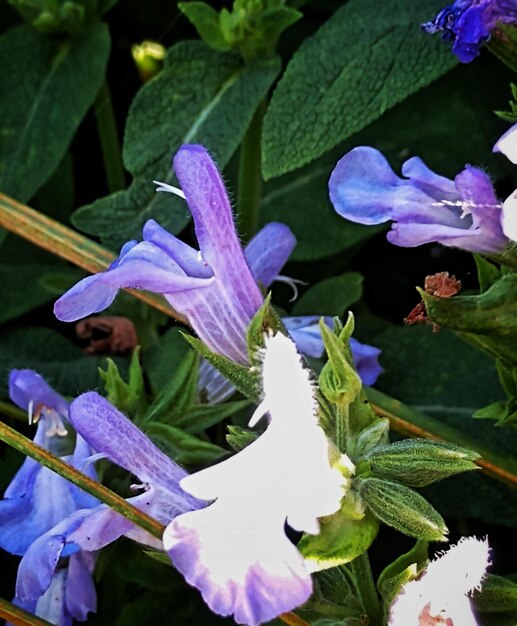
206, 21
342, 537
201, 417
241, 377
201, 96
46, 87
488, 273
497, 595
163, 359
405, 568
178, 395
59, 361
238, 438
128, 397
419, 462
332, 296
331, 90
402, 508
184, 448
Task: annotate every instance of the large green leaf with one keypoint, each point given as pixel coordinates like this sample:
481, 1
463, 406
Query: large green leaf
201, 96
366, 58
63, 364
46, 87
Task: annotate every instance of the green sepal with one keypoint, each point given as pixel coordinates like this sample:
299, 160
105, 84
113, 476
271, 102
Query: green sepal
488, 273
343, 536
128, 397
178, 395
161, 557
402, 508
504, 412
511, 114
202, 416
405, 568
497, 595
420, 462
205, 20
238, 438
338, 380
264, 320
503, 44
374, 435
493, 312
241, 377
183, 447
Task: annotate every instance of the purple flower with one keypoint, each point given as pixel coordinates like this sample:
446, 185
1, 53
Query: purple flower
469, 23
366, 361
424, 206
37, 499
85, 531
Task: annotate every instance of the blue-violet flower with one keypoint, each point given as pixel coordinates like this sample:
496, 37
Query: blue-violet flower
425, 207
469, 23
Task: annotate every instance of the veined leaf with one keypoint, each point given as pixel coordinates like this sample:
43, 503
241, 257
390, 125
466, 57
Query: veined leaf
46, 87
368, 56
201, 96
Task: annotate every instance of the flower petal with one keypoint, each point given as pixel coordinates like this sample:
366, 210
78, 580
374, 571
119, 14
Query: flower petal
304, 330
144, 266
507, 144
80, 594
27, 388
252, 571
212, 386
215, 229
366, 361
268, 252
108, 431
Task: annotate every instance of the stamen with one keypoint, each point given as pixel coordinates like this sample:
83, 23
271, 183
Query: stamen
169, 189
141, 486
31, 407
56, 426
93, 458
292, 282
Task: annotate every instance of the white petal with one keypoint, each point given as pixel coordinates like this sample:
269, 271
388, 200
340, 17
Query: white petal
507, 144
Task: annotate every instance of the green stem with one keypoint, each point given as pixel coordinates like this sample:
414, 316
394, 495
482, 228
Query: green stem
108, 135
6, 408
19, 617
46, 458
250, 177
365, 588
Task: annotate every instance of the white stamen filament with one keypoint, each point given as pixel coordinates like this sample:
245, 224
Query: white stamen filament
169, 189
292, 282
92, 459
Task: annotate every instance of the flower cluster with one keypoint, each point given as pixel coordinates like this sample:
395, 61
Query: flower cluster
468, 24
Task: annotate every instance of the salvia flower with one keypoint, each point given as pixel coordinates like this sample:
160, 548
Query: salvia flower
424, 207
235, 551
441, 595
215, 287
37, 499
507, 145
468, 24
113, 435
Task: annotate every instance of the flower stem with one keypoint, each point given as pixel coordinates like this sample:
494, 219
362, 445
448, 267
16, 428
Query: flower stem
108, 135
365, 588
46, 458
19, 617
250, 177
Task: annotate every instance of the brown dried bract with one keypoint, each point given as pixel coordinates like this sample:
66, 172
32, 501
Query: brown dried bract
107, 334
441, 285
